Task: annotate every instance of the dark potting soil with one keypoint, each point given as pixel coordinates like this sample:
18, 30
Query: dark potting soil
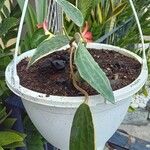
51, 74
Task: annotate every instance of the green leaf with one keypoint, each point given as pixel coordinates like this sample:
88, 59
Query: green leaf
6, 11
3, 112
99, 13
73, 12
131, 109
1, 148
30, 18
7, 137
41, 10
6, 54
38, 37
117, 10
5, 116
85, 7
49, 46
8, 123
14, 145
82, 130
7, 24
144, 91
92, 73
2, 4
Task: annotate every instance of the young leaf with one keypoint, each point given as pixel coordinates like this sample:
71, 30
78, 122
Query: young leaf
92, 73
7, 137
49, 46
82, 131
74, 13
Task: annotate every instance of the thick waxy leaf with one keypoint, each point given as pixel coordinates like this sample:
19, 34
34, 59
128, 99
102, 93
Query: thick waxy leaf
72, 12
92, 73
82, 131
49, 46
7, 137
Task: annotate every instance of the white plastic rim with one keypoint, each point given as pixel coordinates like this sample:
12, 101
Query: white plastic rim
63, 101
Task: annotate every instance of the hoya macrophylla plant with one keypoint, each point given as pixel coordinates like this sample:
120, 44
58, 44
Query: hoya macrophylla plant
82, 132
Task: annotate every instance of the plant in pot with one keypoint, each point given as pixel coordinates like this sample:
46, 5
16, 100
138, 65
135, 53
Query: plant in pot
65, 92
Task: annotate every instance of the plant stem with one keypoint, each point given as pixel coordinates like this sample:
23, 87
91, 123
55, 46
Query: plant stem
74, 78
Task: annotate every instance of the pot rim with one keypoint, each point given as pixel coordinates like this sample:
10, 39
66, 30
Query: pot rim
68, 101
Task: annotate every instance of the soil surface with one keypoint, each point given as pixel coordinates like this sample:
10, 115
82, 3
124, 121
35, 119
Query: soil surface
51, 74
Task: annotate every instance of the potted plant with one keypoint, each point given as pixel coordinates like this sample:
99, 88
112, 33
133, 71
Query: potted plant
66, 114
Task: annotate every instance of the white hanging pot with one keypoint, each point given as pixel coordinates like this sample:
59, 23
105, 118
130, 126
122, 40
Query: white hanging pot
53, 115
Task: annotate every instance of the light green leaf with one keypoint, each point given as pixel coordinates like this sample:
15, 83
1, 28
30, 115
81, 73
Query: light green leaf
82, 130
49, 46
92, 73
14, 145
99, 13
1, 148
7, 137
144, 91
73, 12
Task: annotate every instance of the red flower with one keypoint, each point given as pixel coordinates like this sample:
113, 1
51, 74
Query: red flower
87, 35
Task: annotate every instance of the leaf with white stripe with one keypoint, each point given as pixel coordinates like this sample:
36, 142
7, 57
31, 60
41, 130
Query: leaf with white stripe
49, 46
91, 72
72, 12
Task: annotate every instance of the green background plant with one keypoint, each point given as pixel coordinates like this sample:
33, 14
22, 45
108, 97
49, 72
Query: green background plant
9, 139
8, 31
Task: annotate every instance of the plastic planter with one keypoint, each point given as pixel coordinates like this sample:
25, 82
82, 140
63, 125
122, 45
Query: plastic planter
53, 115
